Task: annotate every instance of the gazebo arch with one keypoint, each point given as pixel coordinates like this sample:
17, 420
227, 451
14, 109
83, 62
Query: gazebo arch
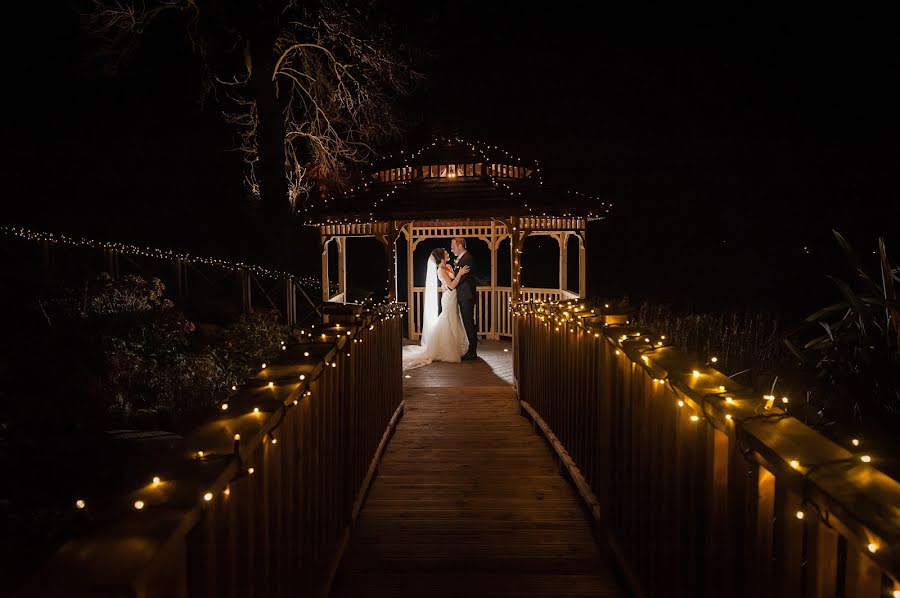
455, 188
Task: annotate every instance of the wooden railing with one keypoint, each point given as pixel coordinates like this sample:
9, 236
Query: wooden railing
260, 500
702, 487
494, 319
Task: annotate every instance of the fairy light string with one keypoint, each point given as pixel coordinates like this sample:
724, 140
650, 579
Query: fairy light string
636, 344
493, 158
352, 334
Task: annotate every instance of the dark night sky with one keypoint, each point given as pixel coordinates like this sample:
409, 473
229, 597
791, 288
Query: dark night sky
728, 142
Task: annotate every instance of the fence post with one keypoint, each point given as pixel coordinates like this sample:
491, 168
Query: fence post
246, 300
180, 278
47, 259
290, 301
111, 258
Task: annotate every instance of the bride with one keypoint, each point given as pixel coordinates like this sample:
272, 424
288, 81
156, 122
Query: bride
443, 335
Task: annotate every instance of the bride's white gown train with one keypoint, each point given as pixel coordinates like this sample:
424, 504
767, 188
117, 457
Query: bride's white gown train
443, 336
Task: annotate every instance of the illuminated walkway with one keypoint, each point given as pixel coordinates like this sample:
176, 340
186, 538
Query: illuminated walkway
469, 501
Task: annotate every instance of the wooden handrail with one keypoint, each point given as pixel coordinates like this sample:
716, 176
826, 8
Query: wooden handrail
259, 500
703, 487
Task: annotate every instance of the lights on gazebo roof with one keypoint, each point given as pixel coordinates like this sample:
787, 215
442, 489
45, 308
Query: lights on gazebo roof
492, 168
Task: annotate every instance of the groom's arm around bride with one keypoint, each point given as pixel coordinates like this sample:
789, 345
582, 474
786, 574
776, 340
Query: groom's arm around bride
467, 294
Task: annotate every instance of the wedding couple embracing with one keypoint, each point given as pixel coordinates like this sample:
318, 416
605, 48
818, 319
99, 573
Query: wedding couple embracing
448, 334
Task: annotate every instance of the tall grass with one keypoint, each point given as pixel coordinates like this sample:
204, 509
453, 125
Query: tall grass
747, 343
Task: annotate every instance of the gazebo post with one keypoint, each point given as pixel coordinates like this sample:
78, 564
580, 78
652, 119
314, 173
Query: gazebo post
410, 297
582, 266
563, 239
515, 246
390, 251
342, 267
495, 309
326, 294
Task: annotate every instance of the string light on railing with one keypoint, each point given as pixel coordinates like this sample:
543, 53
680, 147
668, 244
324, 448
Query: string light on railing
800, 514
153, 252
866, 459
80, 504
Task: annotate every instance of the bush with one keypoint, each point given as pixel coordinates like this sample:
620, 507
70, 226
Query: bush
146, 365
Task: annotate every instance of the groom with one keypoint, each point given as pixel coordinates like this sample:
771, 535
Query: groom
466, 293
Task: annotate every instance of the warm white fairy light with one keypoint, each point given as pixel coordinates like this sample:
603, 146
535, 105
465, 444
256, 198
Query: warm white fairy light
152, 252
156, 480
208, 496
866, 459
80, 504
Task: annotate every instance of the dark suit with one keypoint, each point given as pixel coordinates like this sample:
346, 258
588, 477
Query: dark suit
467, 297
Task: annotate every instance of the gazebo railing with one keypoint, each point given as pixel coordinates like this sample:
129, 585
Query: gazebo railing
494, 319
259, 500
702, 487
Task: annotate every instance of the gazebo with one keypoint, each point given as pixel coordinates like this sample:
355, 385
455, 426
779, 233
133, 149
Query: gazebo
457, 188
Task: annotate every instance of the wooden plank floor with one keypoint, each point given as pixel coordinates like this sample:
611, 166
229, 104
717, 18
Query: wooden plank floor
468, 500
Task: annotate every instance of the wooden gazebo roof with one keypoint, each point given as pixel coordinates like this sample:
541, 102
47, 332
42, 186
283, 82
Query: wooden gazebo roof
454, 179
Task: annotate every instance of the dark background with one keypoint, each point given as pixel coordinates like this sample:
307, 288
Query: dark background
731, 143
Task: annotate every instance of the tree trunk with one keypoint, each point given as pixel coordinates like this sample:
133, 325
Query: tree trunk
275, 210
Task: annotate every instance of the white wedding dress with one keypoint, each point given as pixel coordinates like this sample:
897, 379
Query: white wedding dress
443, 335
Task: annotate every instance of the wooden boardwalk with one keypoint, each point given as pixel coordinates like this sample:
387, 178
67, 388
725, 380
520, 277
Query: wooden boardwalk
468, 500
